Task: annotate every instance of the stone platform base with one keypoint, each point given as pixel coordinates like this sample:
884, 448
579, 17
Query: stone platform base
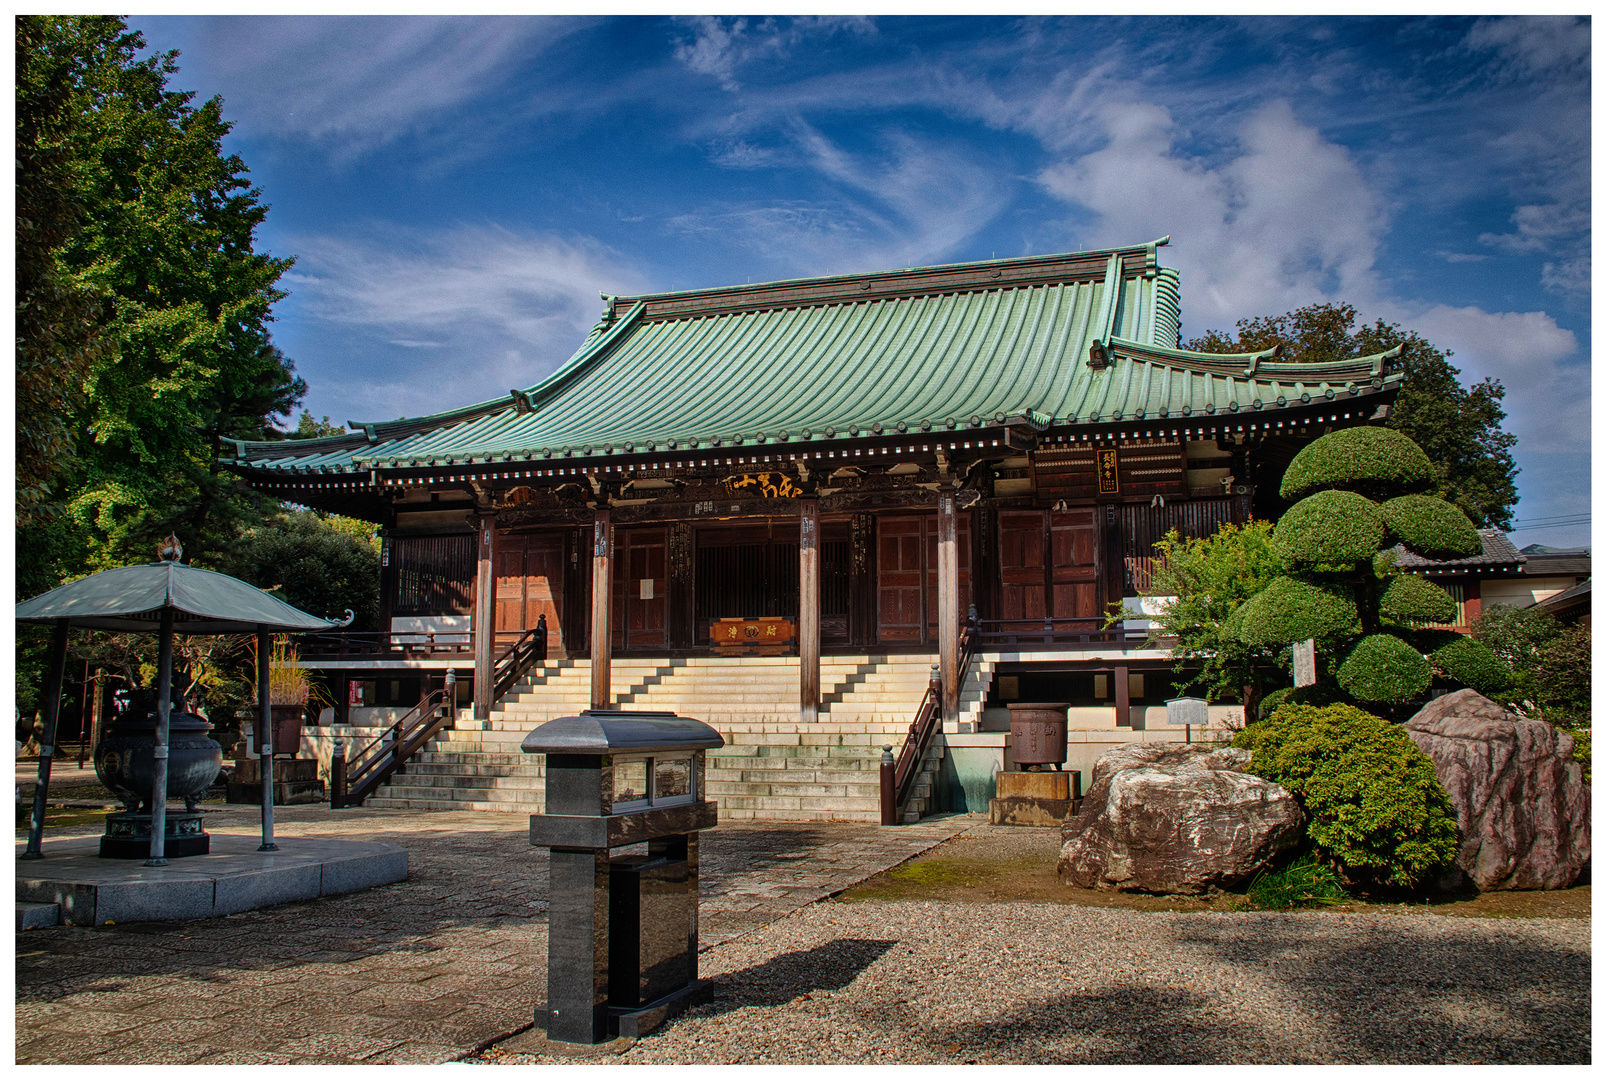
1035, 798
295, 781
636, 1022
233, 877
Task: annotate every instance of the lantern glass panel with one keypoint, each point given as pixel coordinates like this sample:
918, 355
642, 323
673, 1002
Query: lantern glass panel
630, 782
672, 779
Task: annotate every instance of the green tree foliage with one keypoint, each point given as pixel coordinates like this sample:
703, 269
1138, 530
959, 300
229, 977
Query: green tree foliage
1458, 427
308, 428
1376, 808
1348, 594
1211, 579
322, 564
1516, 635
1561, 678
165, 242
1463, 660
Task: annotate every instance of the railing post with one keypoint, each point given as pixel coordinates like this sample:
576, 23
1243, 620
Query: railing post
889, 785
450, 700
337, 776
396, 746
538, 654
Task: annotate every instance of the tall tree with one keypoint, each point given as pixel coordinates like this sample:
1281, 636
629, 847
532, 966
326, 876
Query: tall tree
164, 238
1459, 427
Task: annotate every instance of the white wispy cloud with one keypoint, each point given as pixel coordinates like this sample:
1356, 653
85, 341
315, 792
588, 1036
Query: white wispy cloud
720, 47
477, 310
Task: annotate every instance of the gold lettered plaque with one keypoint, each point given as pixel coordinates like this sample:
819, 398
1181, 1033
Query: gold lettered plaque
1108, 482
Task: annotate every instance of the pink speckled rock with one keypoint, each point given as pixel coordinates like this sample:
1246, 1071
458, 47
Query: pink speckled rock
1521, 802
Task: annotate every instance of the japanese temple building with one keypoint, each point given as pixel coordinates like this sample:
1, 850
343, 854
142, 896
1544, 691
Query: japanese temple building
818, 489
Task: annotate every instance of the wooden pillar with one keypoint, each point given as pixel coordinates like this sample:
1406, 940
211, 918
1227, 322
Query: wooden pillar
1472, 601
1124, 710
809, 612
485, 616
602, 579
948, 608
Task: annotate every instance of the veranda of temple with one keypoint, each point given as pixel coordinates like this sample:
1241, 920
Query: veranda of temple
775, 507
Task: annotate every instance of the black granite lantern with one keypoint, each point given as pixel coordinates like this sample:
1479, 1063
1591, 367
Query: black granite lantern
125, 761
621, 929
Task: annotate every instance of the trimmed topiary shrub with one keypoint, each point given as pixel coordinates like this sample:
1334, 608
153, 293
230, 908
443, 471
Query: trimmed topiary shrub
1471, 664
1335, 528
1371, 461
1382, 667
1292, 610
1414, 601
1375, 806
1431, 527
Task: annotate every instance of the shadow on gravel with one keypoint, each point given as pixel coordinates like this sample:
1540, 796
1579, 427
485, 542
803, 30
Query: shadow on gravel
784, 978
1397, 994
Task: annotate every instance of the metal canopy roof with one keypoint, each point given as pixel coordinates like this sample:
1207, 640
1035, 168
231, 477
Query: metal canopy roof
131, 598
1067, 340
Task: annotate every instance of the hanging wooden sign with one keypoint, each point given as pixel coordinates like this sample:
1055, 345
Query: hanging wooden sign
1109, 484
771, 485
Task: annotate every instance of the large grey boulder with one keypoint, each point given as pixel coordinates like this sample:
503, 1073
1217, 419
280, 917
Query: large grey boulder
1521, 801
1176, 819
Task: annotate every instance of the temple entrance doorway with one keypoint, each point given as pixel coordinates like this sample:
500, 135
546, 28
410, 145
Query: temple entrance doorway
530, 583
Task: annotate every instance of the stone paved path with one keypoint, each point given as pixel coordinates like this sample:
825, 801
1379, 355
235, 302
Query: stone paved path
422, 971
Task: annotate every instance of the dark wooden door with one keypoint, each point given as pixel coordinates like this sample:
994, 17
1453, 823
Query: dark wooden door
1021, 566
530, 584
900, 545
1073, 567
641, 562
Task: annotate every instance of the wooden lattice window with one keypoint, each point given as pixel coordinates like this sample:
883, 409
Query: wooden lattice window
434, 575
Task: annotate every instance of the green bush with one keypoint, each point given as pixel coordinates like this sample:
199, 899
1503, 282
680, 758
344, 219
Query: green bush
1561, 678
1293, 610
1382, 667
1374, 803
1471, 664
1371, 461
1330, 528
1414, 601
1516, 635
1581, 748
1431, 527
1303, 883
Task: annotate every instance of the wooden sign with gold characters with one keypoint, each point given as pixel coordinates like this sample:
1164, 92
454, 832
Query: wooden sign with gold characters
1109, 484
771, 485
763, 635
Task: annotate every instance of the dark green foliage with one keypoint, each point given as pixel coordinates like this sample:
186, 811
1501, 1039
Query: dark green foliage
322, 565
1458, 427
1291, 609
1374, 803
1375, 462
1465, 661
1581, 737
1330, 528
1413, 601
1382, 667
1561, 678
1305, 882
1516, 635
1431, 527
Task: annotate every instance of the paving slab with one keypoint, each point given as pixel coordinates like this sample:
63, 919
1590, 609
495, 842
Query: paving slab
418, 971
233, 877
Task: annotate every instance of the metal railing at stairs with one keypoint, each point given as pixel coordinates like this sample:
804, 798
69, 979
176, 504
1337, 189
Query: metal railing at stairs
898, 776
356, 778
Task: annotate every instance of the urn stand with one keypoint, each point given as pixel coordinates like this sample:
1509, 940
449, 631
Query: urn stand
125, 761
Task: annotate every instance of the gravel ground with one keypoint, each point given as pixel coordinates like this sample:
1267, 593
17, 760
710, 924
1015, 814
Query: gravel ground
937, 982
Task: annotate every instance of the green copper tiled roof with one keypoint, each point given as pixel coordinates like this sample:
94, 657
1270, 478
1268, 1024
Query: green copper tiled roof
1069, 339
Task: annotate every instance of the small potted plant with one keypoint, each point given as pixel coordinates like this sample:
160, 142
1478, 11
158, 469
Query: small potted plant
288, 690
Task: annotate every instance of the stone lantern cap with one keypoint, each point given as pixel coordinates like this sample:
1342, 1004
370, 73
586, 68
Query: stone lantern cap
611, 731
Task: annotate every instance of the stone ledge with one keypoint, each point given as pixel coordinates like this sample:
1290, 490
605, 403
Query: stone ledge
233, 877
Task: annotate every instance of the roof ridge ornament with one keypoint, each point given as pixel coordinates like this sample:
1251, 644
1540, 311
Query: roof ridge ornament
170, 550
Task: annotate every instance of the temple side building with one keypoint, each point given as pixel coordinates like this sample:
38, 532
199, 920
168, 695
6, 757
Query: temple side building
778, 507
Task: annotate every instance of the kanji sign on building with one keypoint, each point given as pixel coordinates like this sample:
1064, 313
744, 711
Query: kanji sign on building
1108, 482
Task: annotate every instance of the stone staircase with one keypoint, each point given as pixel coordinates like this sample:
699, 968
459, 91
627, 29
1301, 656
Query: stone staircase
772, 766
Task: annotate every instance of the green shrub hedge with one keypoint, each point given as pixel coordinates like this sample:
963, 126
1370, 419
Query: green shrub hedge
1413, 600
1382, 667
1374, 803
1471, 664
1431, 527
1372, 461
1293, 610
1330, 528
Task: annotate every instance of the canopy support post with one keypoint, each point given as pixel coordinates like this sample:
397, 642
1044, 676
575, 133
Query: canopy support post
265, 738
47, 742
164, 706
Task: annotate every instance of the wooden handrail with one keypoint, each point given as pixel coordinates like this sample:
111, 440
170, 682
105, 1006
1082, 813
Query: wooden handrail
380, 759
518, 658
928, 718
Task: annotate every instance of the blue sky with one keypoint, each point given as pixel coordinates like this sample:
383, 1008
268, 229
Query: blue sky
457, 191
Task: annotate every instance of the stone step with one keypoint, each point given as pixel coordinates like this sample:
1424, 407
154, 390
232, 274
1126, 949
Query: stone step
36, 916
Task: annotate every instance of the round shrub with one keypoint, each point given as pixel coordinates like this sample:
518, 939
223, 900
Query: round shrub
1431, 527
1372, 461
1293, 610
1413, 600
1382, 667
1384, 563
1374, 803
1329, 528
1471, 664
